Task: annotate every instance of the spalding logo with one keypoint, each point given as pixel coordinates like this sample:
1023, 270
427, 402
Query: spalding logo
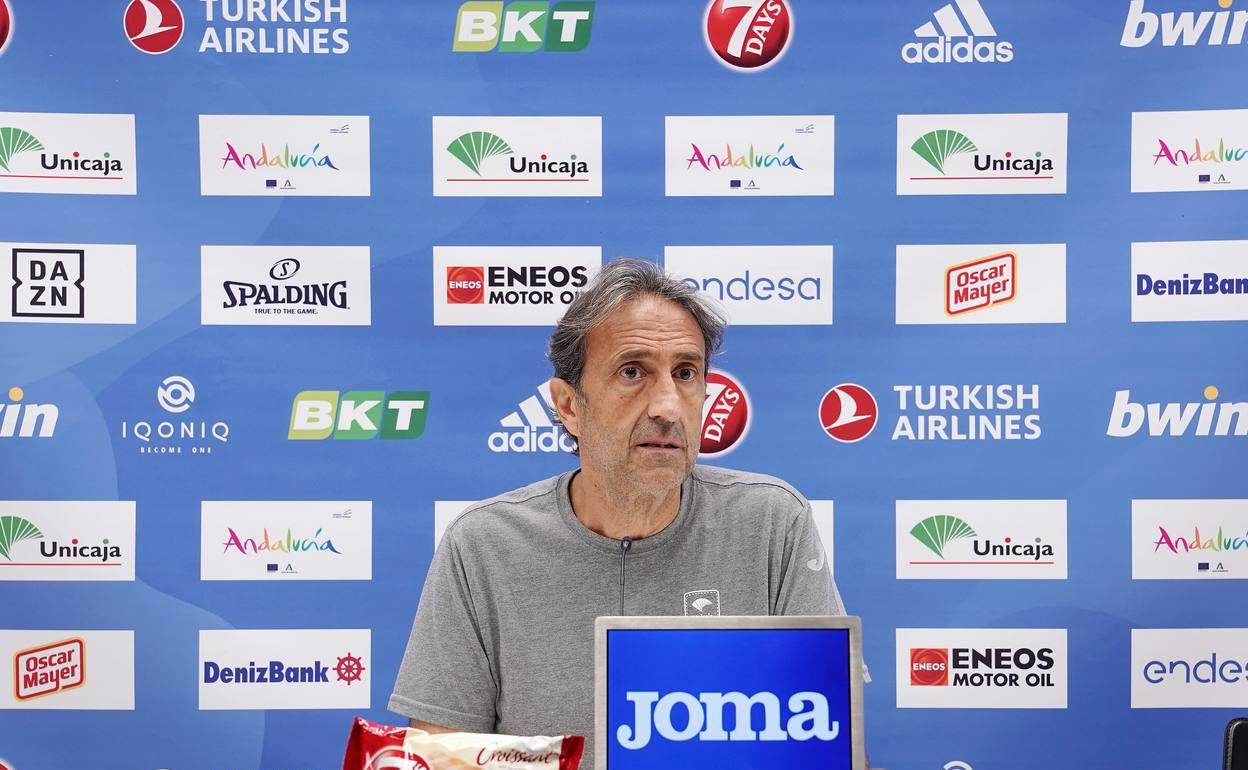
725, 414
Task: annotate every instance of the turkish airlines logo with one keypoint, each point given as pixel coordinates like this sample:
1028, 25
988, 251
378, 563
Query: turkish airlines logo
748, 35
848, 413
154, 26
725, 414
6, 24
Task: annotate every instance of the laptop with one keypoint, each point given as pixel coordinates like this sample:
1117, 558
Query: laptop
729, 693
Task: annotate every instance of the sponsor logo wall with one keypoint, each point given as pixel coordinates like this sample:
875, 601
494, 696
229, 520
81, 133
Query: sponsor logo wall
1019, 503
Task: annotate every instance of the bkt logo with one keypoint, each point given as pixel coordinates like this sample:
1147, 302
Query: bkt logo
1209, 419
1188, 28
523, 26
358, 415
703, 718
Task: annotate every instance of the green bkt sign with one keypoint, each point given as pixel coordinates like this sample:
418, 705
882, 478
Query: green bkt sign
523, 27
358, 415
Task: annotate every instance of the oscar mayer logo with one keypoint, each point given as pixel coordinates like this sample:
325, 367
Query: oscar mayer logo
980, 284
49, 669
726, 414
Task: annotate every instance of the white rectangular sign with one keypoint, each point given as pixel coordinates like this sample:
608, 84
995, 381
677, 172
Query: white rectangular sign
1189, 539
52, 152
981, 539
760, 285
286, 669
1006, 154
517, 156
1177, 668
1189, 281
286, 540
996, 668
1189, 151
74, 283
981, 283
67, 540
509, 285
282, 155
750, 155
286, 285
72, 670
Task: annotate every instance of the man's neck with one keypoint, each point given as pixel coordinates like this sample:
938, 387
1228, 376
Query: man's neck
621, 513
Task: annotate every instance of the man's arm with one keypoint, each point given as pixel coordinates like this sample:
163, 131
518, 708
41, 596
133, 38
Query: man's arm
430, 728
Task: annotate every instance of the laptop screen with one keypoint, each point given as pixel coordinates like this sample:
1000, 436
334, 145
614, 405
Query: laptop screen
729, 698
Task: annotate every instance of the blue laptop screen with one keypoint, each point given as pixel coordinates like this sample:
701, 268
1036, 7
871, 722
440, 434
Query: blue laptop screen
728, 698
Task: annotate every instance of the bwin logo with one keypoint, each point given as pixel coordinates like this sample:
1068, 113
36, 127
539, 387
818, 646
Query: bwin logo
808, 718
1127, 417
1187, 28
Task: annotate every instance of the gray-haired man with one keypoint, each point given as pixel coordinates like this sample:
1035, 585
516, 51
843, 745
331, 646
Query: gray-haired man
503, 637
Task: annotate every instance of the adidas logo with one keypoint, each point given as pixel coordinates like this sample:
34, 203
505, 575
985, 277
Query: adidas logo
953, 38
530, 429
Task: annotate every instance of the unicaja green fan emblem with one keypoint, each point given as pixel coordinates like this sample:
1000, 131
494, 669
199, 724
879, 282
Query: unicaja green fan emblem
14, 141
936, 147
937, 531
14, 530
476, 146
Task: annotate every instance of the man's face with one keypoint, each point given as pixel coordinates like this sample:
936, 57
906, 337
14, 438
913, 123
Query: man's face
638, 424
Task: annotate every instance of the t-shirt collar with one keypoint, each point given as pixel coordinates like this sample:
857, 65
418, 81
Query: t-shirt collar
611, 545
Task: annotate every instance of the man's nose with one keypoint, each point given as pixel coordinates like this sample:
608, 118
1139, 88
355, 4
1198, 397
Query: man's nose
664, 400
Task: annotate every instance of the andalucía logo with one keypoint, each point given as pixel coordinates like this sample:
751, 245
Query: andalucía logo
1209, 161
848, 413
154, 26
948, 39
6, 25
19, 420
726, 414
748, 35
525, 26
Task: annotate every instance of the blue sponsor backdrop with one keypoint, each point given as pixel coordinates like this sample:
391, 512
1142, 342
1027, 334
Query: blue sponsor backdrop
646, 60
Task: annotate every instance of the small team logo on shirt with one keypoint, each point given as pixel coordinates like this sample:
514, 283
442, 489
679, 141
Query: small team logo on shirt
702, 603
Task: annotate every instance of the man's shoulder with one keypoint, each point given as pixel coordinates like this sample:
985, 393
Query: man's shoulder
750, 488
537, 500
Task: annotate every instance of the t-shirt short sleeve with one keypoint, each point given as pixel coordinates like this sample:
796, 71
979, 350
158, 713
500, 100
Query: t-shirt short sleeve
445, 677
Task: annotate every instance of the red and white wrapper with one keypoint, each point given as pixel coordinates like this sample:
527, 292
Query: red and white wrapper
379, 747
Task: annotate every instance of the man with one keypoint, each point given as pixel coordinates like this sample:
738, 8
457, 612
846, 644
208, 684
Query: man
503, 637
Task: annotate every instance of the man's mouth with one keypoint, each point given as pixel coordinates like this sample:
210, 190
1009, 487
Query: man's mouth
658, 445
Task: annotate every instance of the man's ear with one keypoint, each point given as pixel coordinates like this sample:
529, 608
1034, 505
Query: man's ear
566, 405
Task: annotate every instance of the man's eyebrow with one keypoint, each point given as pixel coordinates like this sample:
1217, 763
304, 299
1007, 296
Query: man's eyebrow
645, 355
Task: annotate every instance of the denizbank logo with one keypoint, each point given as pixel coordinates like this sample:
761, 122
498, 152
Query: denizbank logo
981, 539
286, 669
760, 285
1189, 539
1158, 419
67, 153
1186, 151
960, 33
358, 415
1189, 281
981, 668
517, 156
66, 540
523, 26
981, 154
750, 155
1186, 28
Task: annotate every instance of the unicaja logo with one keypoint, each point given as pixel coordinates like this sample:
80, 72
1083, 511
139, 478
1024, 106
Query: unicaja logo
701, 718
1127, 418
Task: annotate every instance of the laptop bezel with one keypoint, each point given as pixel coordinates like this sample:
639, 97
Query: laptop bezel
662, 623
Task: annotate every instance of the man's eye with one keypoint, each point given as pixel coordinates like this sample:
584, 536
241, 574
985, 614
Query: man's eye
687, 373
630, 372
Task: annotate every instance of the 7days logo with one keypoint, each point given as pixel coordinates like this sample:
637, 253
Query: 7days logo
358, 415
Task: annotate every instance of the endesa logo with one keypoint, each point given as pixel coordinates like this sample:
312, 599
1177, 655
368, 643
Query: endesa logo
748, 35
358, 415
1228, 418
1189, 668
523, 27
763, 285
49, 669
154, 26
726, 414
981, 668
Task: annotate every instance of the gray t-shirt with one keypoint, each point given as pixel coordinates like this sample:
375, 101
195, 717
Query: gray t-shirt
503, 640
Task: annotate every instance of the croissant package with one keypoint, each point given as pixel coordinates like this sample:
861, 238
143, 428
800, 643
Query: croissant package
379, 747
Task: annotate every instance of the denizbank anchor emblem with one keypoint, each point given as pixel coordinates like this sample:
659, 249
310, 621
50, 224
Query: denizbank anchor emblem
358, 415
